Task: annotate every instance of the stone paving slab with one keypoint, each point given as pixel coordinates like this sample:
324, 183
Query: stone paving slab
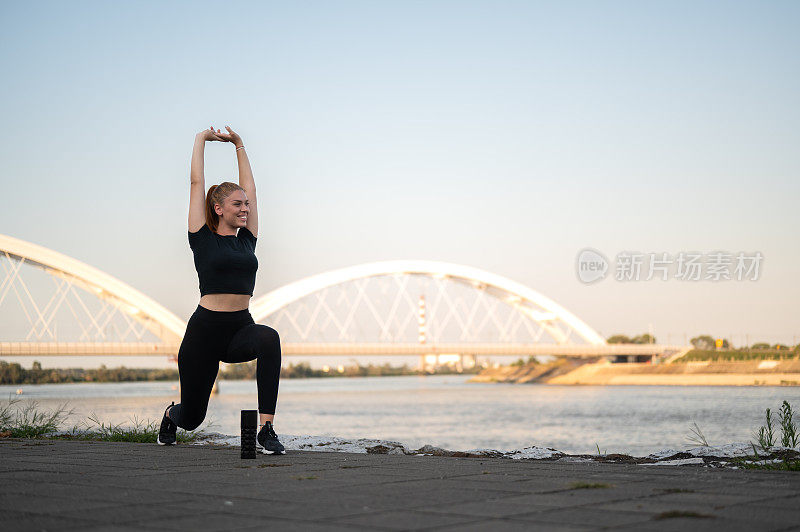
72, 485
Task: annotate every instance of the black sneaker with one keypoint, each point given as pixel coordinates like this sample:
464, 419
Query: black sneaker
268, 440
166, 434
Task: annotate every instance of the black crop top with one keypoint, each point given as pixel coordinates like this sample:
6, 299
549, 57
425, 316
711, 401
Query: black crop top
225, 264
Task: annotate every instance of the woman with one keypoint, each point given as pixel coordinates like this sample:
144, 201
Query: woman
223, 225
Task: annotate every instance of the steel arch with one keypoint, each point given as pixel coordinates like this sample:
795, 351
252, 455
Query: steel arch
510, 291
157, 319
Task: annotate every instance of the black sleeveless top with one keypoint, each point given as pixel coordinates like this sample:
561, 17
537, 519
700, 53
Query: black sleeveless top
225, 264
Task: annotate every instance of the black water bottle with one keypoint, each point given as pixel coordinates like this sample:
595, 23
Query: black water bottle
249, 428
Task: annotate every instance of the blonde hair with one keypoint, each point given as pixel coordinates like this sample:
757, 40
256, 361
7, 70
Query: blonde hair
217, 194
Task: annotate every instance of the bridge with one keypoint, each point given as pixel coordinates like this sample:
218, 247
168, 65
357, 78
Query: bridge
390, 308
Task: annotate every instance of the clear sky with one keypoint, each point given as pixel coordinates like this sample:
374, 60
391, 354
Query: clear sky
501, 135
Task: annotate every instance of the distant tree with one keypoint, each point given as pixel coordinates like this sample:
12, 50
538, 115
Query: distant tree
10, 373
619, 339
780, 346
760, 345
703, 342
643, 339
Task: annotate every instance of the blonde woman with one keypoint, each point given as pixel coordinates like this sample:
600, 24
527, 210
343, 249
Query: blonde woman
223, 226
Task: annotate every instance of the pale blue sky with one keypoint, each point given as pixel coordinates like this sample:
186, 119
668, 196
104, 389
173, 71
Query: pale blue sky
501, 135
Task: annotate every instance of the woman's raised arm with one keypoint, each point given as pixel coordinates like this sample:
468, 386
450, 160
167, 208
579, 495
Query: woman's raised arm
246, 180
197, 187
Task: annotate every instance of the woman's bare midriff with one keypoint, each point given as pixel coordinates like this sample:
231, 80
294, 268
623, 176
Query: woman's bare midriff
225, 302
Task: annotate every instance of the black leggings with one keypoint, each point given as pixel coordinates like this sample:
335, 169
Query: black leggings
213, 336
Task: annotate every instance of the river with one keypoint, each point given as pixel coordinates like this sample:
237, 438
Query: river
449, 412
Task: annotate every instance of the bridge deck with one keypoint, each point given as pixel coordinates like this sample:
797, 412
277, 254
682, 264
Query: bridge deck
8, 349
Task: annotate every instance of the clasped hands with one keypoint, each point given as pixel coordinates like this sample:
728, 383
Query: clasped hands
211, 135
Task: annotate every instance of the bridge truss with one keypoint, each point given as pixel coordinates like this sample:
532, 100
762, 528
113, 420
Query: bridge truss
418, 301
389, 307
68, 307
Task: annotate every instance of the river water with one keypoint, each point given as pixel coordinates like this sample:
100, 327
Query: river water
449, 412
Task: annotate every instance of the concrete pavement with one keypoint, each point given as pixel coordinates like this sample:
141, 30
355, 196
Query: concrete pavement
64, 485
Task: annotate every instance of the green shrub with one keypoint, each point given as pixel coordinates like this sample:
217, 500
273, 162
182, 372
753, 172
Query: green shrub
765, 434
789, 436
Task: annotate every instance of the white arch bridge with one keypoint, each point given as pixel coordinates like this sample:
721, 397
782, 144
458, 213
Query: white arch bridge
405, 307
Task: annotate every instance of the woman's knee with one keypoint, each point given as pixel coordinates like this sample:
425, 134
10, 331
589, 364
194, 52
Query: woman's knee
269, 337
193, 421
187, 418
269, 345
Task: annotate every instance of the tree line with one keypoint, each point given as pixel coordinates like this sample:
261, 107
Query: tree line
703, 342
14, 373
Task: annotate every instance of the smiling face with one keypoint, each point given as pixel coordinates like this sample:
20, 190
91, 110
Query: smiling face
234, 209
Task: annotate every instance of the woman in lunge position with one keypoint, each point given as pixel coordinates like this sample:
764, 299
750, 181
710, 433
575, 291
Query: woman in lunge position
223, 225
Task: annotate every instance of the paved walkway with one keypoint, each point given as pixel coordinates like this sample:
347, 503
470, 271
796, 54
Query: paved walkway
60, 485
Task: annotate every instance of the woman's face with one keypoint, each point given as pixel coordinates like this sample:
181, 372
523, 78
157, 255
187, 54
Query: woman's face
234, 209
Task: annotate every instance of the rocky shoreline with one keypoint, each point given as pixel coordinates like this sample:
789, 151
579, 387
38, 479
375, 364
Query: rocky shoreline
731, 455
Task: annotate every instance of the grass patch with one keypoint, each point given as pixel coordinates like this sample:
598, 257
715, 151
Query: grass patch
785, 465
758, 462
676, 490
589, 485
141, 431
672, 514
767, 436
30, 421
274, 465
781, 460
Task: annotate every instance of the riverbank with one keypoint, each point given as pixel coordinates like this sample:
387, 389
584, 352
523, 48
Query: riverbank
25, 420
738, 455
734, 455
602, 372
14, 373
